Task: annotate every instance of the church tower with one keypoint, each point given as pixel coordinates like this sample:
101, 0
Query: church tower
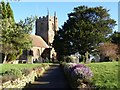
46, 27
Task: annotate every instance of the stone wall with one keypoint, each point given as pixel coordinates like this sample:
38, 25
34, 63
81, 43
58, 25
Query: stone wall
22, 82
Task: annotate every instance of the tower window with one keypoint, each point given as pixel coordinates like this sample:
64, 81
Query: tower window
52, 26
41, 26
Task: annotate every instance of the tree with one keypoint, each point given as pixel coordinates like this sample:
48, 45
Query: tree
9, 11
108, 51
4, 11
84, 30
115, 38
14, 36
6, 46
0, 11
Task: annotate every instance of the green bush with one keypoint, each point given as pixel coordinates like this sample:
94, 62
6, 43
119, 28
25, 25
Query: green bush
6, 78
69, 59
26, 71
13, 72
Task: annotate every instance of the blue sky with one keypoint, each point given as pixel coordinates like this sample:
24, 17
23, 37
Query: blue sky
24, 9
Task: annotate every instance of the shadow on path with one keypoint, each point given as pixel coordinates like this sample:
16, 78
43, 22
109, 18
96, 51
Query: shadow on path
52, 78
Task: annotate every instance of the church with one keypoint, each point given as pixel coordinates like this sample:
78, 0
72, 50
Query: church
45, 30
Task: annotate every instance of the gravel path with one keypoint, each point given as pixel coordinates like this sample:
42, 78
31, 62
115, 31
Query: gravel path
52, 78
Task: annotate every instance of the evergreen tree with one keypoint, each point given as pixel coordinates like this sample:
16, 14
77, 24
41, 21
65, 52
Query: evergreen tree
84, 30
4, 11
9, 11
15, 36
0, 11
115, 37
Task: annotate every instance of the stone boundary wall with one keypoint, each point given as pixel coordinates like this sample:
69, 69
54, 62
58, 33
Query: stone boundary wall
22, 82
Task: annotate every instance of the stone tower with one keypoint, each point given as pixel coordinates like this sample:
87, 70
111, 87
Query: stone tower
46, 27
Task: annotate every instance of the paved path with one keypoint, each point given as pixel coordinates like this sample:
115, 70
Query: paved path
52, 78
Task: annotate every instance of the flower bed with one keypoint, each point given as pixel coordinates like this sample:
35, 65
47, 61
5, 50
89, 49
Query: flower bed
78, 75
15, 78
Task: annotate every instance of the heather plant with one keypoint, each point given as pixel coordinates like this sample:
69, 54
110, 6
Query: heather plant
78, 74
68, 67
82, 72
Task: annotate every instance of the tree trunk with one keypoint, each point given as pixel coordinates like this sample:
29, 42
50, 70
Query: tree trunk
5, 58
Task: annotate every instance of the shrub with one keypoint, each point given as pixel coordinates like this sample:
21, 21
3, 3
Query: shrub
69, 59
13, 72
6, 78
109, 51
80, 74
26, 71
11, 75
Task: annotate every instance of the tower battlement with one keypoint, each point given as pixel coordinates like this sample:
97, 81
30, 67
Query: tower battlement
46, 27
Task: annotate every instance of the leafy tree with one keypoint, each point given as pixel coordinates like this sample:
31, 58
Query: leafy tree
14, 36
115, 38
84, 30
6, 47
109, 51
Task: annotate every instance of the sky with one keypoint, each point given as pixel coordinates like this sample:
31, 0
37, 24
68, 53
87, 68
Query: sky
22, 10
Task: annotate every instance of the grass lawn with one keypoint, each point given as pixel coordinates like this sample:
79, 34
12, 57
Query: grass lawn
105, 74
6, 67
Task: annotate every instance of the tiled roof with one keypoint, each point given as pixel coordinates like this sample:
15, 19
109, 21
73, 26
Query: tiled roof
37, 41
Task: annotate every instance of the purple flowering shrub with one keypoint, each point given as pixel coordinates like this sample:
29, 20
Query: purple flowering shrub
79, 73
68, 67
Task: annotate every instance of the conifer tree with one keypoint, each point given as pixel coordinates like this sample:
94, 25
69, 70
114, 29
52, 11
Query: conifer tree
4, 11
9, 11
0, 11
84, 30
14, 36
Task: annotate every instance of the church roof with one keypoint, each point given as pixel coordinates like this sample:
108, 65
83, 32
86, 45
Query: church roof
37, 41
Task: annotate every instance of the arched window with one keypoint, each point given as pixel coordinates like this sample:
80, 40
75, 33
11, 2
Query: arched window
38, 52
52, 26
31, 52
